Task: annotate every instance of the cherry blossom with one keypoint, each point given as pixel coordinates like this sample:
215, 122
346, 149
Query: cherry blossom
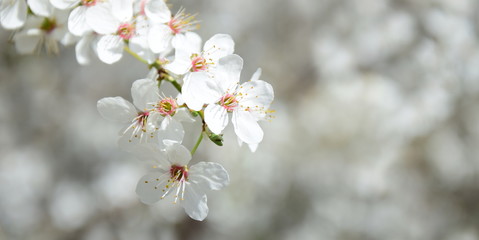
187, 184
165, 27
248, 102
190, 57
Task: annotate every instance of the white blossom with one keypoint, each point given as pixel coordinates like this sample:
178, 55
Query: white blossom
248, 102
188, 184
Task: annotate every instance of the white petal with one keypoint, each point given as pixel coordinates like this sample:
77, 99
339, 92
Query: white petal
178, 154
64, 4
228, 72
181, 64
195, 203
110, 48
77, 21
144, 93
189, 42
151, 154
116, 109
159, 38
256, 94
150, 187
209, 175
198, 89
129, 140
27, 41
256, 75
246, 127
13, 16
67, 38
253, 146
41, 7
183, 115
83, 49
216, 117
122, 9
139, 45
171, 130
101, 19
157, 11
218, 46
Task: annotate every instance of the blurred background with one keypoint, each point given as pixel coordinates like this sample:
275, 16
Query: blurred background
376, 134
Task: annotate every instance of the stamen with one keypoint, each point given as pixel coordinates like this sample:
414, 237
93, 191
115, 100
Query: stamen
182, 22
167, 107
229, 102
88, 3
126, 31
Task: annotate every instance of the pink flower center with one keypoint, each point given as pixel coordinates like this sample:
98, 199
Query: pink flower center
88, 3
182, 22
198, 63
167, 107
229, 102
126, 31
142, 118
179, 173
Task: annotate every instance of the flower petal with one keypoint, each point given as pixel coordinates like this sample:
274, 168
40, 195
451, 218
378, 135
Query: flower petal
150, 187
122, 9
110, 48
170, 130
151, 154
228, 72
27, 41
181, 64
216, 117
64, 4
13, 16
157, 11
209, 175
83, 49
195, 203
218, 46
41, 7
256, 94
116, 109
183, 115
246, 127
144, 93
256, 75
178, 154
101, 19
198, 89
139, 45
159, 38
77, 24
189, 42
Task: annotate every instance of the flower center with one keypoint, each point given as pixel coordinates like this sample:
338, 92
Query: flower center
48, 25
179, 173
182, 22
142, 118
88, 3
167, 107
229, 102
198, 63
126, 31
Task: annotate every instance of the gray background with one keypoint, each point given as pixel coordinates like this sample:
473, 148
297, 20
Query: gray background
376, 132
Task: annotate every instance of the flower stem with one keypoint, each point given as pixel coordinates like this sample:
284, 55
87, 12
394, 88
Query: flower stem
128, 50
175, 84
197, 144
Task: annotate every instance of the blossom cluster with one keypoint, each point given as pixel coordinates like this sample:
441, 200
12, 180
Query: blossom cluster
207, 78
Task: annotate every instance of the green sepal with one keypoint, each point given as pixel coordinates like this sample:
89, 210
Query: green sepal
216, 138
